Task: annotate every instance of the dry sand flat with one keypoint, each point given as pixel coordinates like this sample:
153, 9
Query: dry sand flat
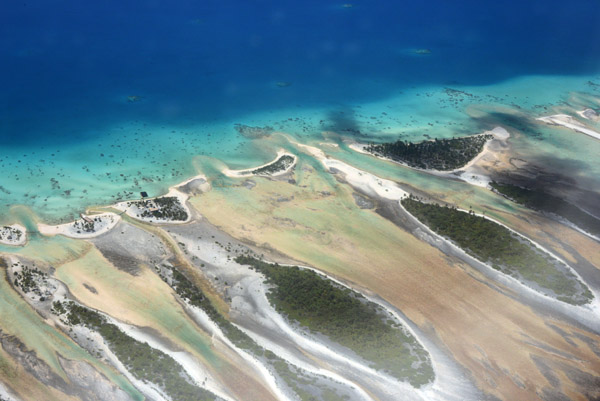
487, 332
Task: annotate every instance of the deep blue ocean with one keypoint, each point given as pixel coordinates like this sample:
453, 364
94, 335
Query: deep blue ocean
64, 62
100, 100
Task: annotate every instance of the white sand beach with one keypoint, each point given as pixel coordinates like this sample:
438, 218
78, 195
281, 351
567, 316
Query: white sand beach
249, 172
467, 172
498, 133
89, 226
569, 122
136, 208
15, 235
589, 114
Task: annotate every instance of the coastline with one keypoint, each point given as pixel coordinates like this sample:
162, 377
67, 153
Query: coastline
108, 221
131, 210
22, 239
567, 121
463, 173
249, 171
373, 185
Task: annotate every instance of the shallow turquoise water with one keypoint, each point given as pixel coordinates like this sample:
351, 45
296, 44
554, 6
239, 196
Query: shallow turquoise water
117, 161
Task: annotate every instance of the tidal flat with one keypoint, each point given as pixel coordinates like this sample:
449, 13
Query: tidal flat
176, 285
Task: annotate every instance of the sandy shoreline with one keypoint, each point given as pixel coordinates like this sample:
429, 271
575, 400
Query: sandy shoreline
589, 114
373, 185
569, 122
248, 172
132, 210
463, 173
103, 223
10, 231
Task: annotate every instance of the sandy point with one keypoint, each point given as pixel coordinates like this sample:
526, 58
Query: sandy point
569, 122
89, 226
249, 172
132, 210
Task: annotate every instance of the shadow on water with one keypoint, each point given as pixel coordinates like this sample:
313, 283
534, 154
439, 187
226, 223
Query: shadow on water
520, 122
343, 121
563, 177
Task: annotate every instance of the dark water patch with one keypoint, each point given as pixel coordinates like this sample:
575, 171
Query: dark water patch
90, 288
562, 333
557, 177
545, 202
344, 121
122, 262
509, 120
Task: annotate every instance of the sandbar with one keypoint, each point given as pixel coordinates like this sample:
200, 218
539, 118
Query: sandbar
569, 122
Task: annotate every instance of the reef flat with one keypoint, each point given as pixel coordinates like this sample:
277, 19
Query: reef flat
304, 272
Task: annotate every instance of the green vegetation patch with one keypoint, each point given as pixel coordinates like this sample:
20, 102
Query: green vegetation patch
346, 318
502, 249
292, 376
438, 154
8, 233
166, 208
544, 202
278, 165
143, 361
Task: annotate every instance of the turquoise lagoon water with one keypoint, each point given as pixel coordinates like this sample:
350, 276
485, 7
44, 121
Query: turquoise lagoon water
70, 137
117, 161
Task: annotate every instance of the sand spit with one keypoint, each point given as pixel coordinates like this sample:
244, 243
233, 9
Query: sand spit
569, 122
467, 172
249, 172
89, 226
194, 185
135, 208
363, 181
15, 235
589, 114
